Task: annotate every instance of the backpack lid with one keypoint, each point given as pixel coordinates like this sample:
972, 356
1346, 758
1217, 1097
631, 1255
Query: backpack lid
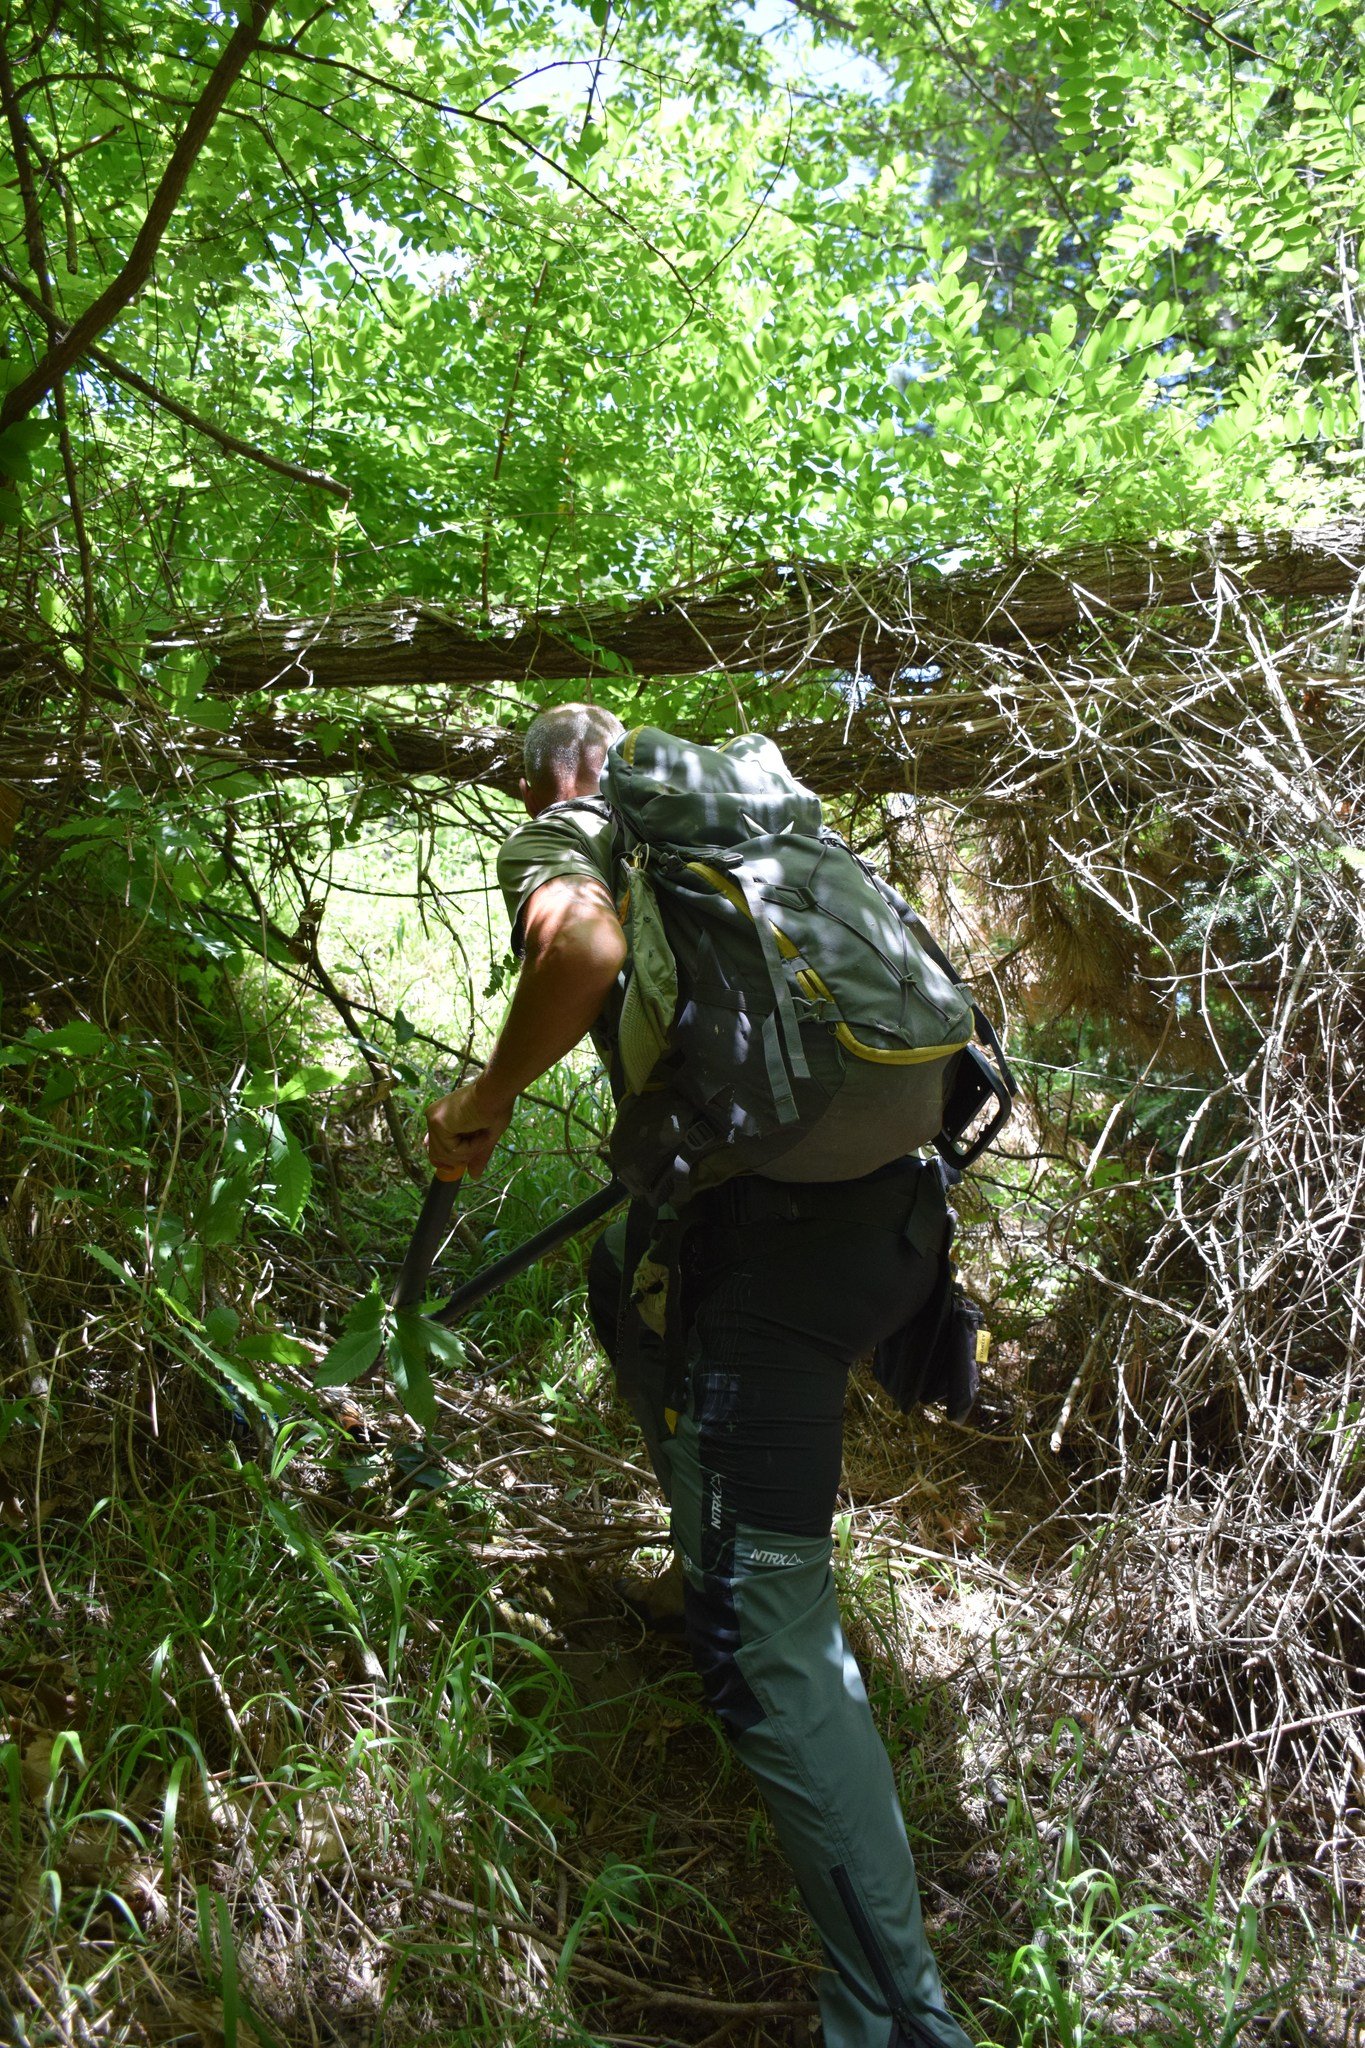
676, 792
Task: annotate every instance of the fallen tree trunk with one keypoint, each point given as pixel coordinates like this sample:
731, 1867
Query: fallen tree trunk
782, 619
1011, 737
831, 761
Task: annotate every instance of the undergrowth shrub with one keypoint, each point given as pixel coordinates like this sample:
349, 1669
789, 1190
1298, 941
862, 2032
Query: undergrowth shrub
231, 1684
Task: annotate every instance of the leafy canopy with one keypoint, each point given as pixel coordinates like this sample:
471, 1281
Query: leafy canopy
580, 302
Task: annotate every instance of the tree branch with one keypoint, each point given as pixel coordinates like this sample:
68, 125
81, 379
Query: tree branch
232, 444
306, 938
1014, 732
1011, 119
837, 24
501, 126
77, 339
504, 437
35, 241
35, 237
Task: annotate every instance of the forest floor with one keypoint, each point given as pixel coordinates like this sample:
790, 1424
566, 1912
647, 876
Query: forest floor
314, 1732
349, 1738
625, 1885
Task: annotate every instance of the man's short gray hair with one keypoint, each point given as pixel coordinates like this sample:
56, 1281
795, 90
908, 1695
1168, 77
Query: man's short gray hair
557, 742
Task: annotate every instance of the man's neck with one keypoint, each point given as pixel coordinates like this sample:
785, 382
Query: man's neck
567, 793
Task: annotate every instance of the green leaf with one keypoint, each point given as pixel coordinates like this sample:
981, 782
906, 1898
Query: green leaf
352, 1354
264, 1090
19, 443
273, 1347
359, 1344
61, 1084
227, 1972
213, 717
221, 1325
111, 1265
255, 1392
1062, 326
307, 1549
226, 1212
170, 1806
446, 1346
413, 1342
80, 1038
293, 1176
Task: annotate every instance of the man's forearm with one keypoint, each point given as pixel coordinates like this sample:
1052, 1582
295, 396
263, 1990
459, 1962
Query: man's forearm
575, 949
558, 997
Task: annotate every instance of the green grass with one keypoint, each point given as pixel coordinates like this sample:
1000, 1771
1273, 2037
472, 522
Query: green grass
243, 1741
1108, 1963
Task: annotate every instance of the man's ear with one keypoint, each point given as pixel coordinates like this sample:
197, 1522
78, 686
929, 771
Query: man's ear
524, 792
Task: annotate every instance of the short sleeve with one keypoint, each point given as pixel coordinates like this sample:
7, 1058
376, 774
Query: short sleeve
569, 840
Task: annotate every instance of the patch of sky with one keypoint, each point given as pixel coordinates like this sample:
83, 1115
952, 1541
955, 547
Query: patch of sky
855, 686
803, 63
377, 247
799, 63
810, 67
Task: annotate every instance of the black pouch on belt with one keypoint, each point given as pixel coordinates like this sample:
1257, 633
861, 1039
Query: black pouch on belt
933, 1356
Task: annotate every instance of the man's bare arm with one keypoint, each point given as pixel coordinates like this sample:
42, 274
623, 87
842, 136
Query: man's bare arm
575, 949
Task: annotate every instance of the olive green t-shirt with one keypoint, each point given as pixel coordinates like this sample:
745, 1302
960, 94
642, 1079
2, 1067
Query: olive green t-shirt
571, 839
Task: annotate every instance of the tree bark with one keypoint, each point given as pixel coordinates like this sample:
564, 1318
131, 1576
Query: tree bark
785, 618
1012, 738
867, 758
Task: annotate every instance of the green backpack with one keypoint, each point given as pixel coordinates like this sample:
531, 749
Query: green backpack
785, 1013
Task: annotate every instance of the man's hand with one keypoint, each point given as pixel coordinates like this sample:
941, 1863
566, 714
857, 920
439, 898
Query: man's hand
463, 1128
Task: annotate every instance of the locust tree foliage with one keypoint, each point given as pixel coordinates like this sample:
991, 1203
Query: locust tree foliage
573, 303
502, 306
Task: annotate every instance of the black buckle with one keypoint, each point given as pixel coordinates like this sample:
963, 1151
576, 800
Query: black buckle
700, 1133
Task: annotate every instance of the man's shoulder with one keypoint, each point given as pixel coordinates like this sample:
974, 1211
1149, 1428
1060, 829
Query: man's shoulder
569, 841
581, 825
589, 815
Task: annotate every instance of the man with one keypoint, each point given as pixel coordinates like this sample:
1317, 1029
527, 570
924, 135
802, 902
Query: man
782, 1287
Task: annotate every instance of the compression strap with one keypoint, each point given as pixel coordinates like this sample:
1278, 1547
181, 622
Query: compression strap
817, 988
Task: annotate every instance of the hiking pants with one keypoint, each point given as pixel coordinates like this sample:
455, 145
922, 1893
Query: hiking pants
782, 1288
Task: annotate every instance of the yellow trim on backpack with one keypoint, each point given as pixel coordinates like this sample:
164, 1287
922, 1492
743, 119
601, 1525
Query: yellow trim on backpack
895, 1056
730, 889
880, 1055
719, 880
817, 989
628, 746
